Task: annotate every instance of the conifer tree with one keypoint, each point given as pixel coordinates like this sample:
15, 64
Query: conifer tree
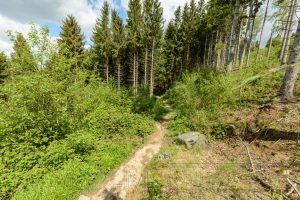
156, 28
72, 41
22, 57
3, 66
102, 41
147, 12
118, 36
134, 26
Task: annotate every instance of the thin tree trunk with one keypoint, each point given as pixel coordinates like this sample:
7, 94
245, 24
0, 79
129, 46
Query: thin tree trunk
246, 34
205, 51
270, 46
237, 52
250, 42
224, 52
210, 51
287, 88
146, 65
289, 34
137, 74
106, 68
152, 69
134, 71
284, 40
119, 74
187, 58
215, 57
262, 29
233, 36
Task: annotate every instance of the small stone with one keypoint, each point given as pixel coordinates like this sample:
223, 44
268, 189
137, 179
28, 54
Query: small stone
164, 156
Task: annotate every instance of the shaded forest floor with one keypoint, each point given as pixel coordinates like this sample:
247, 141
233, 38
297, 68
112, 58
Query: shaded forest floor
270, 132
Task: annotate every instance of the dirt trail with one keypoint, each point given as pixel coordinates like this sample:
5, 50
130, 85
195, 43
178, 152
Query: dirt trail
122, 183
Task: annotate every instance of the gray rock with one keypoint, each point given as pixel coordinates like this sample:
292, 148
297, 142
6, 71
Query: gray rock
193, 139
164, 156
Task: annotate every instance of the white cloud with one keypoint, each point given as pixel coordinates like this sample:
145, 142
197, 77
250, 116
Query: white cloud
9, 24
169, 7
16, 15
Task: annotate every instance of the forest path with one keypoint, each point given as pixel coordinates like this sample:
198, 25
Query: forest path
121, 184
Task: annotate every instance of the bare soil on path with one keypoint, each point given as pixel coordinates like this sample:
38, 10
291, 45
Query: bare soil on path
121, 184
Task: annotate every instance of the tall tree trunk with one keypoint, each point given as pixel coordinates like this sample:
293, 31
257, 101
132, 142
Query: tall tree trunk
284, 39
287, 87
134, 72
205, 51
262, 29
106, 68
289, 34
237, 51
270, 46
218, 39
210, 52
233, 36
152, 69
188, 67
119, 74
137, 73
146, 65
250, 42
245, 43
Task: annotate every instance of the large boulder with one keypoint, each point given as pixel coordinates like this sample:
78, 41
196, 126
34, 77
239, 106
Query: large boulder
193, 139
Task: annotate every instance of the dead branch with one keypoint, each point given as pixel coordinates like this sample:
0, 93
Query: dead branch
258, 76
293, 185
269, 187
250, 158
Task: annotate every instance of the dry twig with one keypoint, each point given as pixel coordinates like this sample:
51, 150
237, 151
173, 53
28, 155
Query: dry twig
293, 185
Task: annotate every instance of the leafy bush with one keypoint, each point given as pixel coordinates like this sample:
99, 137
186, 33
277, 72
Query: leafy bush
200, 99
154, 188
47, 123
152, 106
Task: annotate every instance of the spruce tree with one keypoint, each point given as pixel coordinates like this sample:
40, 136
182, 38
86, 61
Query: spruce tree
102, 41
22, 57
134, 26
147, 12
156, 27
118, 45
3, 66
72, 41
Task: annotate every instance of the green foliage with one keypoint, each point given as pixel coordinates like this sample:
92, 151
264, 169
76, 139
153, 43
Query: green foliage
72, 40
144, 103
59, 127
201, 99
154, 188
3, 66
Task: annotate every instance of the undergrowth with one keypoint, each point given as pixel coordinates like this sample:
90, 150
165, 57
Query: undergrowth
200, 98
56, 137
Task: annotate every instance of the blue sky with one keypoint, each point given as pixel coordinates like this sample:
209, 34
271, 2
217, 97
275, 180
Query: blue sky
16, 15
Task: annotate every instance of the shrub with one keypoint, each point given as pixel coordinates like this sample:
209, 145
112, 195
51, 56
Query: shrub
154, 188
